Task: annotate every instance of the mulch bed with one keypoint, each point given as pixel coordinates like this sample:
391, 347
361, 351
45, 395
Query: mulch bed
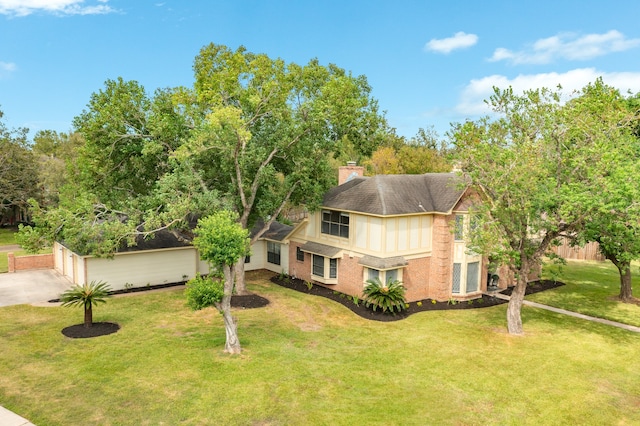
79, 331
414, 307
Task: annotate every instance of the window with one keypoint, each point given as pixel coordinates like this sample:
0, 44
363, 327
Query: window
318, 265
247, 259
385, 277
324, 269
299, 254
373, 274
335, 223
457, 273
333, 268
472, 276
458, 231
273, 253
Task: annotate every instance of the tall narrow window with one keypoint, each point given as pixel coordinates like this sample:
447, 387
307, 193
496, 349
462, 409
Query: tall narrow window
299, 254
273, 252
391, 275
458, 232
457, 276
473, 276
333, 268
318, 266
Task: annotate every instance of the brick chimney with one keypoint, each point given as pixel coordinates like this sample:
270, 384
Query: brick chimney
348, 172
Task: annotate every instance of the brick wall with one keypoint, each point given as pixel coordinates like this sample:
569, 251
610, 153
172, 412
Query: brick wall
25, 263
441, 263
345, 171
415, 278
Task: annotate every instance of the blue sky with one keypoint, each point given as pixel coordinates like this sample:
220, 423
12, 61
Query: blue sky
429, 63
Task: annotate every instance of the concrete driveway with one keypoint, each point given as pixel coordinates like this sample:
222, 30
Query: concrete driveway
31, 286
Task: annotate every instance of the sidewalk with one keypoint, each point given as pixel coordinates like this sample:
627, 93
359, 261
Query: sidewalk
8, 418
627, 327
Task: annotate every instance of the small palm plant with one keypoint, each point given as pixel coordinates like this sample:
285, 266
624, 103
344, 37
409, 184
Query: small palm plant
388, 297
86, 295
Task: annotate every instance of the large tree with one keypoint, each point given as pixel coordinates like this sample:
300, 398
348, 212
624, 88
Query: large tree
270, 128
540, 168
254, 134
57, 154
129, 136
616, 227
18, 170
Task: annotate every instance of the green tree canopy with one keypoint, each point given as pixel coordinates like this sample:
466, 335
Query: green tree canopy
541, 168
18, 169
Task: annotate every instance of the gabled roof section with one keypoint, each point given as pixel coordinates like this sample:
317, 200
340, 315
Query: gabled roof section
276, 232
398, 194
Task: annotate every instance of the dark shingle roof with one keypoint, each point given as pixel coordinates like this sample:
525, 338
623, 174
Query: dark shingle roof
276, 232
321, 249
397, 194
159, 240
383, 263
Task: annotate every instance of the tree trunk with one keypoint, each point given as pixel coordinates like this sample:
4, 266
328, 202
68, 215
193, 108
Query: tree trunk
626, 292
514, 317
241, 286
232, 344
88, 316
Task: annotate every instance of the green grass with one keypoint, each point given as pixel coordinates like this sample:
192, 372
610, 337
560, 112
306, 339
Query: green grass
7, 236
591, 288
308, 360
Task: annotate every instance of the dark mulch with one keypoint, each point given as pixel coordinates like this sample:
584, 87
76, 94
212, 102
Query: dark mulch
536, 287
79, 331
414, 307
248, 301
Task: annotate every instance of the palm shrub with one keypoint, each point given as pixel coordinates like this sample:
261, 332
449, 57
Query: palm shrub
86, 295
388, 297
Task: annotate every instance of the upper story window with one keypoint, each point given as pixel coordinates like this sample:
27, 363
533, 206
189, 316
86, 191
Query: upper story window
335, 223
458, 230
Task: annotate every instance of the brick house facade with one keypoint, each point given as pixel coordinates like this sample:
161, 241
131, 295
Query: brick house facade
390, 227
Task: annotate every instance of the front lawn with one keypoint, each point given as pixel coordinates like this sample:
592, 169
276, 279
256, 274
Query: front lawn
591, 288
7, 236
308, 360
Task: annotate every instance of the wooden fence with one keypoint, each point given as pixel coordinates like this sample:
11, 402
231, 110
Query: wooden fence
589, 252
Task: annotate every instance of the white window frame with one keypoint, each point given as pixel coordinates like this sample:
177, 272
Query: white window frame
274, 249
329, 269
382, 274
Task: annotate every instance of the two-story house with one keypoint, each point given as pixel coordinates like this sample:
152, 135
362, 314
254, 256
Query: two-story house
404, 227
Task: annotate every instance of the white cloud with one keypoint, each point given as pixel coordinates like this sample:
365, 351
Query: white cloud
460, 40
472, 98
7, 68
567, 46
59, 7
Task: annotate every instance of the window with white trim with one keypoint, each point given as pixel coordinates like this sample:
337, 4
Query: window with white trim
324, 269
384, 276
273, 252
335, 223
466, 278
318, 266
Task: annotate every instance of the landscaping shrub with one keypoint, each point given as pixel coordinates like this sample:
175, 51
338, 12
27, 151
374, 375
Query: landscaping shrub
388, 297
